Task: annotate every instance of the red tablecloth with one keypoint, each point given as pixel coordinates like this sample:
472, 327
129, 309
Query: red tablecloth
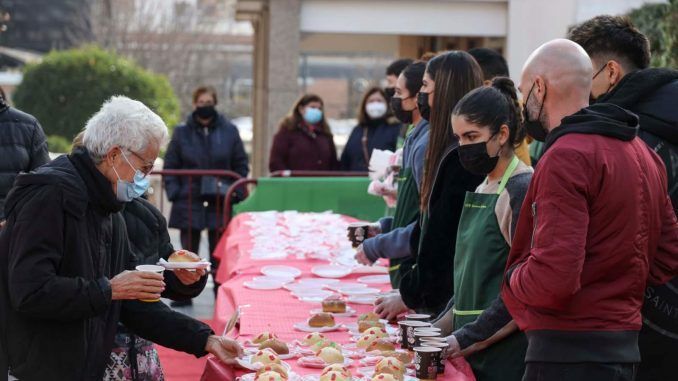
275, 310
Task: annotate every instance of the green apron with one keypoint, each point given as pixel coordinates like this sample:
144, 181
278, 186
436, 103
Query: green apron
407, 209
481, 254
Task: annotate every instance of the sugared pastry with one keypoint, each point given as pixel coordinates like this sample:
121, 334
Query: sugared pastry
276, 345
325, 344
365, 340
334, 376
334, 304
381, 345
337, 368
331, 356
390, 365
322, 319
180, 256
367, 324
313, 338
402, 356
384, 377
266, 357
278, 368
370, 316
270, 376
376, 331
260, 338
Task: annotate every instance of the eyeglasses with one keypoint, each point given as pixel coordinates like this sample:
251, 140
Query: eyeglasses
147, 167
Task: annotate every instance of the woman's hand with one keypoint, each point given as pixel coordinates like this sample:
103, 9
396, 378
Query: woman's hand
225, 349
188, 277
453, 350
390, 306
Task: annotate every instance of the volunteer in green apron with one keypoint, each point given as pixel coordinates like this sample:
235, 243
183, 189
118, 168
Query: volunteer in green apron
394, 241
487, 123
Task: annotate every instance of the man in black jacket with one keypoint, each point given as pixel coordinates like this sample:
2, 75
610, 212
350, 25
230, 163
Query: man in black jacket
22, 147
620, 55
65, 260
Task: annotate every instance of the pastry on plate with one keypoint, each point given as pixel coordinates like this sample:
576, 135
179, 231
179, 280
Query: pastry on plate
324, 344
334, 376
392, 366
337, 368
270, 376
367, 324
276, 345
380, 345
331, 355
265, 356
370, 316
260, 338
322, 319
334, 304
384, 377
376, 331
273, 368
404, 356
313, 338
181, 256
366, 340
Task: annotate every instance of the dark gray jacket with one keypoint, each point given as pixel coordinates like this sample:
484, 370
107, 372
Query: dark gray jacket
22, 148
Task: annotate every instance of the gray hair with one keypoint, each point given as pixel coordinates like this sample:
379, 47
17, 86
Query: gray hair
125, 123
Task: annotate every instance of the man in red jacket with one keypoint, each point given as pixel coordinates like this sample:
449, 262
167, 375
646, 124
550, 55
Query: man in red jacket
596, 226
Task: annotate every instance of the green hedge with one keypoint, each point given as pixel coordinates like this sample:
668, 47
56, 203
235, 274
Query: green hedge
67, 87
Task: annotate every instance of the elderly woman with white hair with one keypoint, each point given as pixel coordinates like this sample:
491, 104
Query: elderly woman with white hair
64, 257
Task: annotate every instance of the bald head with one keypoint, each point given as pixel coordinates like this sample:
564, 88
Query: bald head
564, 66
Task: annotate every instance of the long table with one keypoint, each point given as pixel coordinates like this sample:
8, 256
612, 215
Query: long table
274, 310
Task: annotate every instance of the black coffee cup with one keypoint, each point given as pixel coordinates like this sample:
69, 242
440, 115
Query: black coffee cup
407, 332
357, 233
426, 360
443, 347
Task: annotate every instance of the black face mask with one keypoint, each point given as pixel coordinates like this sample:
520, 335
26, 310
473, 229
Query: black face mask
390, 92
534, 128
404, 116
205, 112
475, 159
422, 104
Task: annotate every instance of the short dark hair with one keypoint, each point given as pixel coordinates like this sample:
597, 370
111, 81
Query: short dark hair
414, 76
204, 90
491, 63
397, 66
613, 37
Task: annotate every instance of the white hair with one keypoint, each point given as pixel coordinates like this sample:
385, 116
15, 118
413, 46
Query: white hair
123, 122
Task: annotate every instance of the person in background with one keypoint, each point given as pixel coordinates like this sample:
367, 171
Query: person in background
376, 129
23, 147
304, 140
487, 122
494, 65
426, 282
207, 140
65, 257
393, 71
391, 235
600, 227
620, 55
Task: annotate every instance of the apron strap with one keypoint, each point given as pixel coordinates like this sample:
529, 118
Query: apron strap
466, 313
508, 173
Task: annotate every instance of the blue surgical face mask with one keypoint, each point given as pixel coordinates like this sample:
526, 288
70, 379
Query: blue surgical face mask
127, 191
313, 115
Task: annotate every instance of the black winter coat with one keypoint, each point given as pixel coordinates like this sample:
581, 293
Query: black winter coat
63, 240
427, 282
150, 241
193, 146
23, 148
380, 135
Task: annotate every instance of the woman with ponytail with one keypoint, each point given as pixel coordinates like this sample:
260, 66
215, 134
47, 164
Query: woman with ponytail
426, 282
487, 122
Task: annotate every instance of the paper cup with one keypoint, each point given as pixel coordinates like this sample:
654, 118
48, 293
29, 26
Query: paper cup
407, 332
151, 269
418, 335
443, 347
357, 233
418, 317
426, 360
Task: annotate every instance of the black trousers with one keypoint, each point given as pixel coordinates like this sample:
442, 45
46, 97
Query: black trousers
659, 356
588, 371
190, 240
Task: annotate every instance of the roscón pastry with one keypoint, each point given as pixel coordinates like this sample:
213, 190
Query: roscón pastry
402, 356
276, 345
313, 338
384, 377
322, 319
324, 344
380, 345
370, 316
260, 338
331, 356
270, 376
266, 357
278, 368
337, 368
376, 331
366, 340
392, 366
180, 256
334, 304
367, 324
334, 376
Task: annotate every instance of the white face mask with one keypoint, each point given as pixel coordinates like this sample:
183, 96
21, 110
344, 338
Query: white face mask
375, 110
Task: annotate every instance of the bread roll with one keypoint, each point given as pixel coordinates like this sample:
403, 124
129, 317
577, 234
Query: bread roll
322, 319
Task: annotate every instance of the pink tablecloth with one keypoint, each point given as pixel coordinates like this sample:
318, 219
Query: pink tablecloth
275, 310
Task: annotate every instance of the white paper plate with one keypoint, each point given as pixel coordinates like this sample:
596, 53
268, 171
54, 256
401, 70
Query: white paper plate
297, 287
312, 362
281, 271
365, 291
304, 327
280, 279
246, 362
331, 271
343, 285
362, 299
318, 281
263, 285
183, 265
370, 270
375, 279
349, 312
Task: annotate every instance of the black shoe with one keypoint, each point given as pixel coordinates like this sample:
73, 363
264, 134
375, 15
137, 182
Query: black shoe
181, 303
